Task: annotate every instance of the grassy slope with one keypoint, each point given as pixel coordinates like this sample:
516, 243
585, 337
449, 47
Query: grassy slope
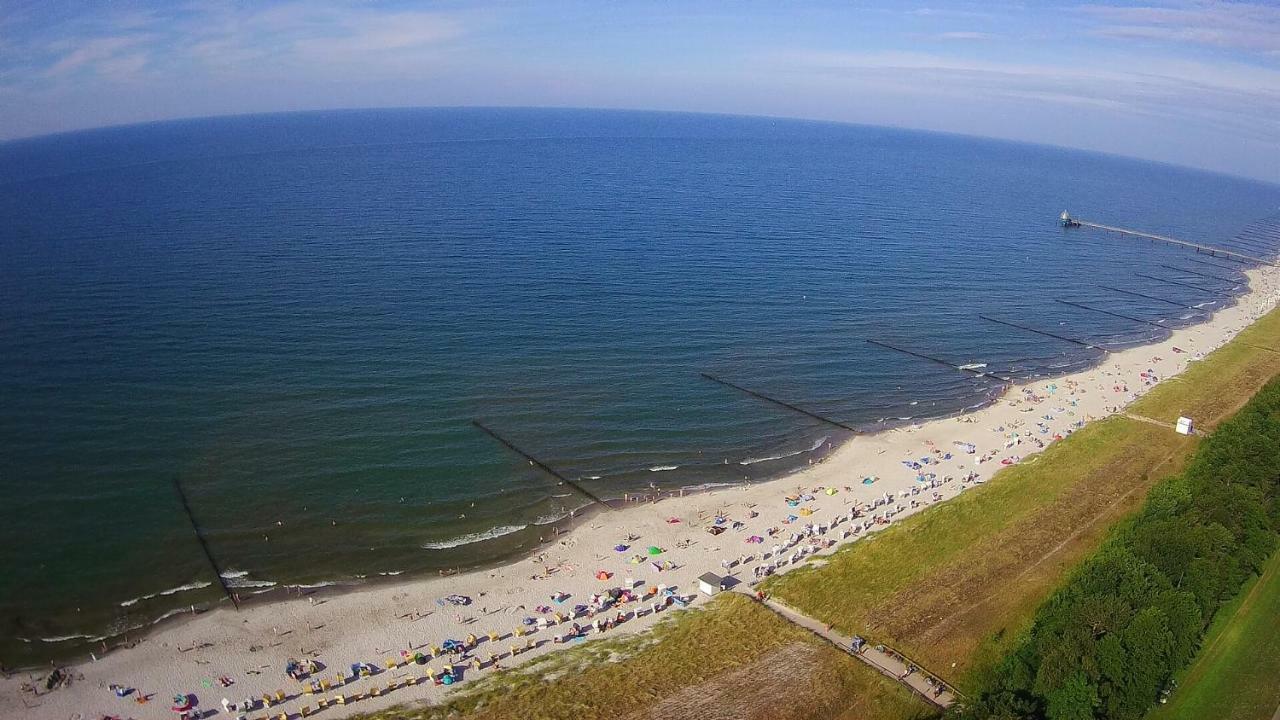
1235, 675
736, 654
1210, 391
955, 585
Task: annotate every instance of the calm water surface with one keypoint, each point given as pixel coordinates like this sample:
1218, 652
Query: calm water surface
297, 317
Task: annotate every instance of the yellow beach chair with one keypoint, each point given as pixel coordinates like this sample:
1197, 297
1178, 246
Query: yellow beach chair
266, 700
322, 703
493, 636
436, 651
519, 631
283, 716
324, 686
340, 699
374, 691
305, 710
280, 696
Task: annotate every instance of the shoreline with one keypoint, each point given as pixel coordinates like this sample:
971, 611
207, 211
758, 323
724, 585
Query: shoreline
264, 590
373, 620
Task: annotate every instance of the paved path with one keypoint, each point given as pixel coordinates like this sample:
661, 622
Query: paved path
886, 664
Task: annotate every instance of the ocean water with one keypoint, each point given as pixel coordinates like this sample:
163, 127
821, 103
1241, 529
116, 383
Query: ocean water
296, 318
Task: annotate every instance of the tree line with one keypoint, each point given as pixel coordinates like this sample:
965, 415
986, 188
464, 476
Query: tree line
1107, 643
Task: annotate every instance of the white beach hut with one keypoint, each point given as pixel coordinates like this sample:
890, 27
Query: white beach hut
710, 583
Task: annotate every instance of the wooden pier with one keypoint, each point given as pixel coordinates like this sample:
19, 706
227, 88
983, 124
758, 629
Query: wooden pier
1069, 221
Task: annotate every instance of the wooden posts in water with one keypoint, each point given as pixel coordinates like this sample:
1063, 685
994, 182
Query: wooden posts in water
1189, 285
1214, 264
1046, 333
1182, 305
782, 403
204, 544
922, 356
1201, 274
1113, 314
539, 464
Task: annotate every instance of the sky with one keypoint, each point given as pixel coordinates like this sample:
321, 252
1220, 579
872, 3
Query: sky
1189, 82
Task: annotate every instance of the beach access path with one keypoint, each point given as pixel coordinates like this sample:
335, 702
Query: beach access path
883, 661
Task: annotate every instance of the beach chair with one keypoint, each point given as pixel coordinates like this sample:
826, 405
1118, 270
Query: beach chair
390, 664
308, 689
282, 716
305, 710
324, 686
493, 636
266, 700
519, 631
436, 651
391, 685
340, 699
280, 696
374, 691
322, 703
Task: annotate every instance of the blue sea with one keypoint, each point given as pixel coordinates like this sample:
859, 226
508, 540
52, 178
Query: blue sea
296, 319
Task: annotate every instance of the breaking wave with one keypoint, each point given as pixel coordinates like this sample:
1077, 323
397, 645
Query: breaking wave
476, 537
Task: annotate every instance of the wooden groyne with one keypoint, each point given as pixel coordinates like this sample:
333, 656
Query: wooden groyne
1113, 314
540, 465
961, 368
1046, 333
1182, 305
1209, 276
782, 403
204, 544
1232, 268
1211, 291
1207, 249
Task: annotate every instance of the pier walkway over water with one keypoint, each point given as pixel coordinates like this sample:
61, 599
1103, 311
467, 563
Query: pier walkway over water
1075, 222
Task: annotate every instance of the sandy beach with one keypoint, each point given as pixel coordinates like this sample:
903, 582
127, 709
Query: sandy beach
877, 478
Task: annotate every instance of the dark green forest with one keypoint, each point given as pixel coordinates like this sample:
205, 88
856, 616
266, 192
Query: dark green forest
1108, 642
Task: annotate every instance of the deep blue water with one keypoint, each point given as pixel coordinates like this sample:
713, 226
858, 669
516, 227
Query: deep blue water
298, 317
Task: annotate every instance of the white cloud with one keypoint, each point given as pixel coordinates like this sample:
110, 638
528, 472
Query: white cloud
1226, 97
1237, 25
92, 52
364, 34
964, 35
